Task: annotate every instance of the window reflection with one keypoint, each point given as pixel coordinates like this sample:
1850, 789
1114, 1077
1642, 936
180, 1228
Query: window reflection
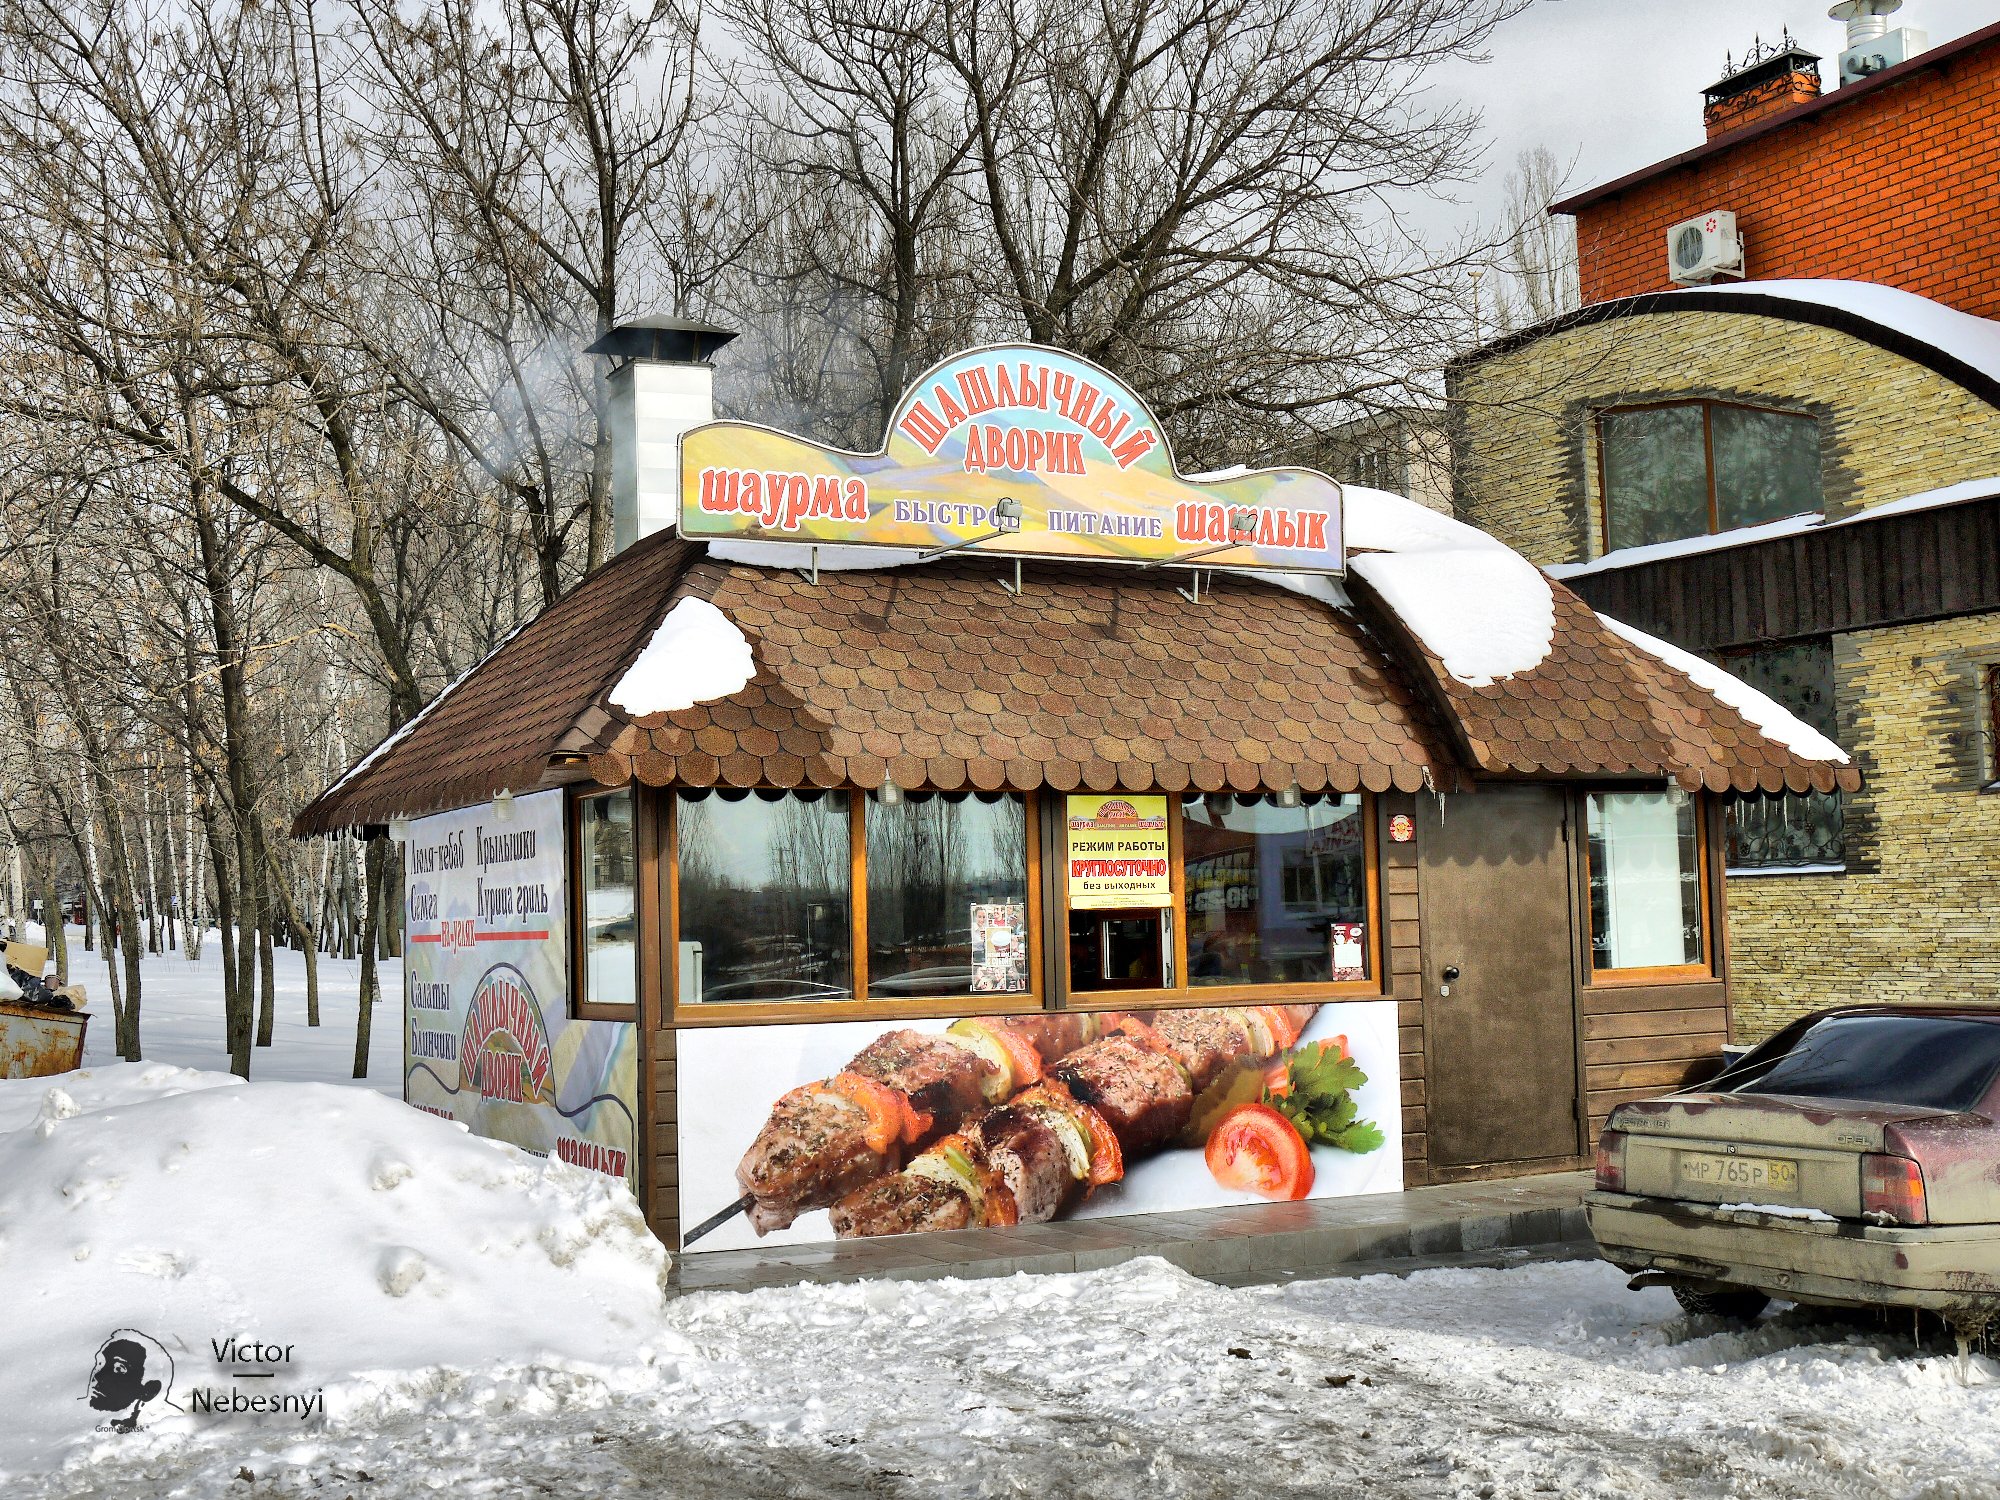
1275, 895
764, 911
610, 922
947, 894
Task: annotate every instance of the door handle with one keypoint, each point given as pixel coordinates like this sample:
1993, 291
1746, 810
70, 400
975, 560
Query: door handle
1449, 975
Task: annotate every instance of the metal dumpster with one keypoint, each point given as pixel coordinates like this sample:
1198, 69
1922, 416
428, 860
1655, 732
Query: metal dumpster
36, 1041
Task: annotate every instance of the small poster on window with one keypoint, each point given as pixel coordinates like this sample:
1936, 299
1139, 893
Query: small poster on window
1348, 958
999, 946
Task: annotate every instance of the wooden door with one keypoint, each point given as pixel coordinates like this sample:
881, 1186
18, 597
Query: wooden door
1500, 1034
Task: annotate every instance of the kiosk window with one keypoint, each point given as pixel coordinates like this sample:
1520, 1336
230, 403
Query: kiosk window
1275, 894
1645, 881
947, 894
605, 871
764, 896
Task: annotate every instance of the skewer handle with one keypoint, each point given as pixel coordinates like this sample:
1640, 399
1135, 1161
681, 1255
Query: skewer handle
716, 1221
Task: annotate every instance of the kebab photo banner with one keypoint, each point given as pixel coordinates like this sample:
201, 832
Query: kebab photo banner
1015, 450
487, 1035
731, 1077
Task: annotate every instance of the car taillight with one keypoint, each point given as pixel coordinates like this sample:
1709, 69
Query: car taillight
1611, 1161
1892, 1187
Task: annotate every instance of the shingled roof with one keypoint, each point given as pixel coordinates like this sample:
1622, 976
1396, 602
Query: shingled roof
1100, 677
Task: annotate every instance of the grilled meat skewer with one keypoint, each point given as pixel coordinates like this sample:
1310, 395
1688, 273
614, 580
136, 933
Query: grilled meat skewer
900, 1092
1036, 1156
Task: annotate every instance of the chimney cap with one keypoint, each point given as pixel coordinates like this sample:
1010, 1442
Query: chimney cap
1761, 62
679, 341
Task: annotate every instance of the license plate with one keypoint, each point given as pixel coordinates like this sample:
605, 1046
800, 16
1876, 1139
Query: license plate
1713, 1170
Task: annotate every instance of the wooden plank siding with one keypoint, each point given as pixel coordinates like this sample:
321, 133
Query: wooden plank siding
1859, 574
1404, 980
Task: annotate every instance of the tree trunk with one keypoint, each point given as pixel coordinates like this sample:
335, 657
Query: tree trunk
371, 986
307, 936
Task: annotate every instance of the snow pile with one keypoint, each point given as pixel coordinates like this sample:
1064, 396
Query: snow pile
1780, 1211
1482, 608
364, 1235
1962, 336
696, 656
1771, 720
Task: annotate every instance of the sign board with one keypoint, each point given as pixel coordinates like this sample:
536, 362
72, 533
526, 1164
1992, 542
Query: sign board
1080, 461
1118, 853
487, 1035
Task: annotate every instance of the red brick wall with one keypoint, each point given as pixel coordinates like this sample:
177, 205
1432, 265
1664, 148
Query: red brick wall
1898, 185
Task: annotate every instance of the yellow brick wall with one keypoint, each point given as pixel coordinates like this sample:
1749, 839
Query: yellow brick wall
1918, 915
1525, 448
1917, 918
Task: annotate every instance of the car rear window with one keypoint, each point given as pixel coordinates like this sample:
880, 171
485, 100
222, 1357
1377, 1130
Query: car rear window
1926, 1062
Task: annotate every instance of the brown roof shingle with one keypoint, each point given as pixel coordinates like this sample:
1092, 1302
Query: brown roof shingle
1092, 677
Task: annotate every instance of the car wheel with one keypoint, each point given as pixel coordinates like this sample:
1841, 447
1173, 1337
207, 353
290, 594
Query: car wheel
1736, 1303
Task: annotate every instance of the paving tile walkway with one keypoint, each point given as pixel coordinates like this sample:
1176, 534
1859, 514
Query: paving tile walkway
1461, 1223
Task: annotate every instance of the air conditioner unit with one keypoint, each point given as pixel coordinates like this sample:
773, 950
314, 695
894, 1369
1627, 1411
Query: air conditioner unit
1699, 250
1879, 52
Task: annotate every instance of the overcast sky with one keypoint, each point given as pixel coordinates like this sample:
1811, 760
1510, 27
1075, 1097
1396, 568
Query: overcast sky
1617, 83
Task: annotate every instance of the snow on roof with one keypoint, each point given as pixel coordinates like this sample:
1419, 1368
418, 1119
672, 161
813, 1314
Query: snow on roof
1771, 720
1744, 536
1974, 341
832, 557
1484, 610
697, 655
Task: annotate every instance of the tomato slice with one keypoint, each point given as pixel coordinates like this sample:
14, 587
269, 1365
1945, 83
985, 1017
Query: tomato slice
1257, 1150
1107, 1158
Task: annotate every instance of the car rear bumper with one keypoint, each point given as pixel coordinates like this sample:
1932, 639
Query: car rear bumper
1810, 1260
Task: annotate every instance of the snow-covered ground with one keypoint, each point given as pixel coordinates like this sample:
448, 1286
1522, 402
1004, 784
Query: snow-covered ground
465, 1319
180, 1016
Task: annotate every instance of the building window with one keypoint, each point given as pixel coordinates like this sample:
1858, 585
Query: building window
1646, 896
764, 880
1992, 675
1789, 829
947, 894
606, 879
1689, 468
1381, 468
1275, 894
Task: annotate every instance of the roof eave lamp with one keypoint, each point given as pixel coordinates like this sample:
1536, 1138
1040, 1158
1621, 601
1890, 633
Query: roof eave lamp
1242, 532
1006, 517
888, 793
399, 829
503, 806
1291, 796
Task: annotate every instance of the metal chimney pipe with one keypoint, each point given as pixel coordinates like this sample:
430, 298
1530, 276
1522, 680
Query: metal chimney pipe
1866, 19
662, 385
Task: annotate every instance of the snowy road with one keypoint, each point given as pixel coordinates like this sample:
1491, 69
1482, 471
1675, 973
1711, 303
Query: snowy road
1145, 1383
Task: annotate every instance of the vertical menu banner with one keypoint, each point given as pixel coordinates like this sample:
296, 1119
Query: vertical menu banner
488, 1038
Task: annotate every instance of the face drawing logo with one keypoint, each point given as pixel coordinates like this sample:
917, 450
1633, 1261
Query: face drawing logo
132, 1371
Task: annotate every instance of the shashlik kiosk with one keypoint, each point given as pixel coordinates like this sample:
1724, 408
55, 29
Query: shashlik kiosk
1003, 826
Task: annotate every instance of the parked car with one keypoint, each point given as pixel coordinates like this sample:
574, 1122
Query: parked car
1851, 1160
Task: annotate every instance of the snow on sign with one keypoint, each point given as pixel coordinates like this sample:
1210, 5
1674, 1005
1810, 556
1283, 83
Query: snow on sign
488, 1039
1016, 450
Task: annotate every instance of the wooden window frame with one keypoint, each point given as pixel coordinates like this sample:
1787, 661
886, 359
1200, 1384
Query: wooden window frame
1182, 995
1704, 972
862, 1007
1707, 405
1991, 675
581, 1008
